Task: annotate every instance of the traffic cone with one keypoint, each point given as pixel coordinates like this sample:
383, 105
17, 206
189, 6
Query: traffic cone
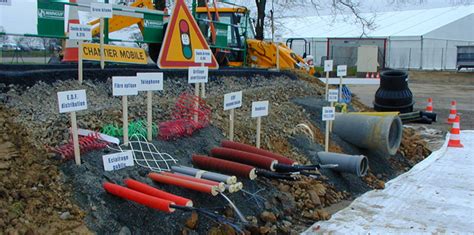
71, 48
372, 75
367, 75
454, 137
429, 106
378, 75
453, 112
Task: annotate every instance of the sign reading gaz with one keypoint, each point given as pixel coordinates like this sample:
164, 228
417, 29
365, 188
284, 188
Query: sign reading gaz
117, 161
80, 32
233, 100
71, 101
329, 113
150, 81
202, 56
102, 10
91, 51
197, 74
328, 64
260, 108
341, 70
333, 95
122, 86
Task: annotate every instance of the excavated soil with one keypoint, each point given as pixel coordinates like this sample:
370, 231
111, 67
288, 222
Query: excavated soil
59, 188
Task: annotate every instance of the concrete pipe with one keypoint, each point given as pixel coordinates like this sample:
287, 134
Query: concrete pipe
354, 164
379, 133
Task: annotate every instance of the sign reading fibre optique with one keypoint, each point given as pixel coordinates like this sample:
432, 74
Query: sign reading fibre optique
124, 86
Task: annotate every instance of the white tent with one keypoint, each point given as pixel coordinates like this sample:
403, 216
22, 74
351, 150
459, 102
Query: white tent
421, 39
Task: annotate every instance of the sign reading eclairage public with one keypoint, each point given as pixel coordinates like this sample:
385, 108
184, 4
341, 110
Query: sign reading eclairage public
333, 95
80, 32
341, 70
329, 113
91, 51
260, 108
117, 161
71, 101
150, 81
102, 10
5, 2
122, 86
328, 64
202, 56
197, 74
233, 100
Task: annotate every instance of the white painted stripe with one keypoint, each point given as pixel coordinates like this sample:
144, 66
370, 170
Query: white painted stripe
455, 137
452, 116
456, 125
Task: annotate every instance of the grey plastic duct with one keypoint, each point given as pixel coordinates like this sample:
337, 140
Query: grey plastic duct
379, 133
354, 164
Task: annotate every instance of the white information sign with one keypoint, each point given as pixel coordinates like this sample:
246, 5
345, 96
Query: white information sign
202, 56
341, 70
233, 100
329, 113
333, 95
150, 81
80, 32
117, 161
328, 64
5, 2
70, 101
198, 74
102, 10
122, 86
260, 108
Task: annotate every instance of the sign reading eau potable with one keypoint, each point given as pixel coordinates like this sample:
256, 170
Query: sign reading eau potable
233, 100
259, 108
91, 51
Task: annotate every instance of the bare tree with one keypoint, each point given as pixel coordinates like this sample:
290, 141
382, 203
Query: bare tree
3, 38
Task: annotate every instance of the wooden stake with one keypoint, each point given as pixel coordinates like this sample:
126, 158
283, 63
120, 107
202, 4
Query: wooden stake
196, 104
259, 125
327, 85
125, 119
326, 140
149, 115
203, 91
80, 66
101, 34
75, 139
330, 122
231, 125
340, 89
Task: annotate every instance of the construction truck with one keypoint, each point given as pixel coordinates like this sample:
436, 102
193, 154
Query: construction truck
229, 32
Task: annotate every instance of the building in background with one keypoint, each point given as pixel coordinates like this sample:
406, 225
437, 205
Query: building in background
416, 39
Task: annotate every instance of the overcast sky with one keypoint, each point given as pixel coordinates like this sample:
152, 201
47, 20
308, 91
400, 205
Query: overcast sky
21, 16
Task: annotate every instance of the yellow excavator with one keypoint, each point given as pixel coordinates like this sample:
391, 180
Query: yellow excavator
229, 32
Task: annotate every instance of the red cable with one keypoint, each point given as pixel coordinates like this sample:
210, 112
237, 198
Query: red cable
228, 167
147, 189
140, 198
251, 149
190, 178
205, 188
244, 157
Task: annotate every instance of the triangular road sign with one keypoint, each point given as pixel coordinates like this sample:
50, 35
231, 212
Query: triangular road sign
182, 37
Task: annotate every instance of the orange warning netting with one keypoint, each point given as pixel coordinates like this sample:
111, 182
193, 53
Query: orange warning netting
183, 124
86, 144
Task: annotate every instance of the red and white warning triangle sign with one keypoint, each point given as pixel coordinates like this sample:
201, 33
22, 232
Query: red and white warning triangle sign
182, 37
